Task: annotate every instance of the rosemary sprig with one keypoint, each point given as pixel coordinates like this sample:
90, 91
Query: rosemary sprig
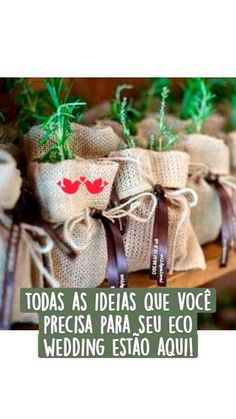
152, 92
202, 106
133, 114
166, 137
29, 104
58, 125
190, 90
123, 117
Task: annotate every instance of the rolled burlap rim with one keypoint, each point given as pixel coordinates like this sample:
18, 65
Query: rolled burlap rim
87, 142
208, 151
170, 168
141, 169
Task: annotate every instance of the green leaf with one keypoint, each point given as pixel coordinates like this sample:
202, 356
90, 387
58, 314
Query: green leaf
201, 106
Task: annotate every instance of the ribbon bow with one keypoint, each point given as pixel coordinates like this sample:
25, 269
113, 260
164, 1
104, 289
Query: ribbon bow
117, 269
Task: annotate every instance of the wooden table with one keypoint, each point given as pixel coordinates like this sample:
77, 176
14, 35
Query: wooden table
196, 278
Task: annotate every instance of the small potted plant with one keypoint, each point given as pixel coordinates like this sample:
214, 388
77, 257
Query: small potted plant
157, 168
201, 147
68, 189
85, 141
209, 167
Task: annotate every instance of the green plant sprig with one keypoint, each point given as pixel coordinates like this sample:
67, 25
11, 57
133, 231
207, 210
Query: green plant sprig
191, 87
28, 102
58, 126
166, 137
152, 92
123, 117
202, 106
133, 114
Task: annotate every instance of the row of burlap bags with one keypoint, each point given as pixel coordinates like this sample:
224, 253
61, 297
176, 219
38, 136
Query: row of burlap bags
66, 194
213, 154
71, 191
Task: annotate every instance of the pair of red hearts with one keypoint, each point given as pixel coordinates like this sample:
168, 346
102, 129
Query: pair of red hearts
94, 187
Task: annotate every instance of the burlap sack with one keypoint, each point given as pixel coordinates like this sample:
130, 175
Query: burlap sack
23, 277
208, 151
139, 167
87, 142
207, 155
170, 169
59, 203
231, 142
131, 179
214, 125
85, 234
150, 126
95, 113
10, 185
115, 125
145, 128
88, 270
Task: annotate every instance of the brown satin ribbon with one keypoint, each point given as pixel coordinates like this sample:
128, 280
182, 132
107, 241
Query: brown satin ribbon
115, 202
9, 278
159, 254
228, 227
117, 268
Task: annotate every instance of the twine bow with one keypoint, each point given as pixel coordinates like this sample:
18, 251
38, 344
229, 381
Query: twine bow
117, 265
112, 214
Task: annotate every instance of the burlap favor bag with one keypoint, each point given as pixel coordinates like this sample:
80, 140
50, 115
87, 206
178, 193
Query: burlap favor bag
208, 155
66, 188
214, 125
170, 170
72, 213
87, 142
115, 125
150, 126
23, 248
231, 142
87, 237
95, 113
